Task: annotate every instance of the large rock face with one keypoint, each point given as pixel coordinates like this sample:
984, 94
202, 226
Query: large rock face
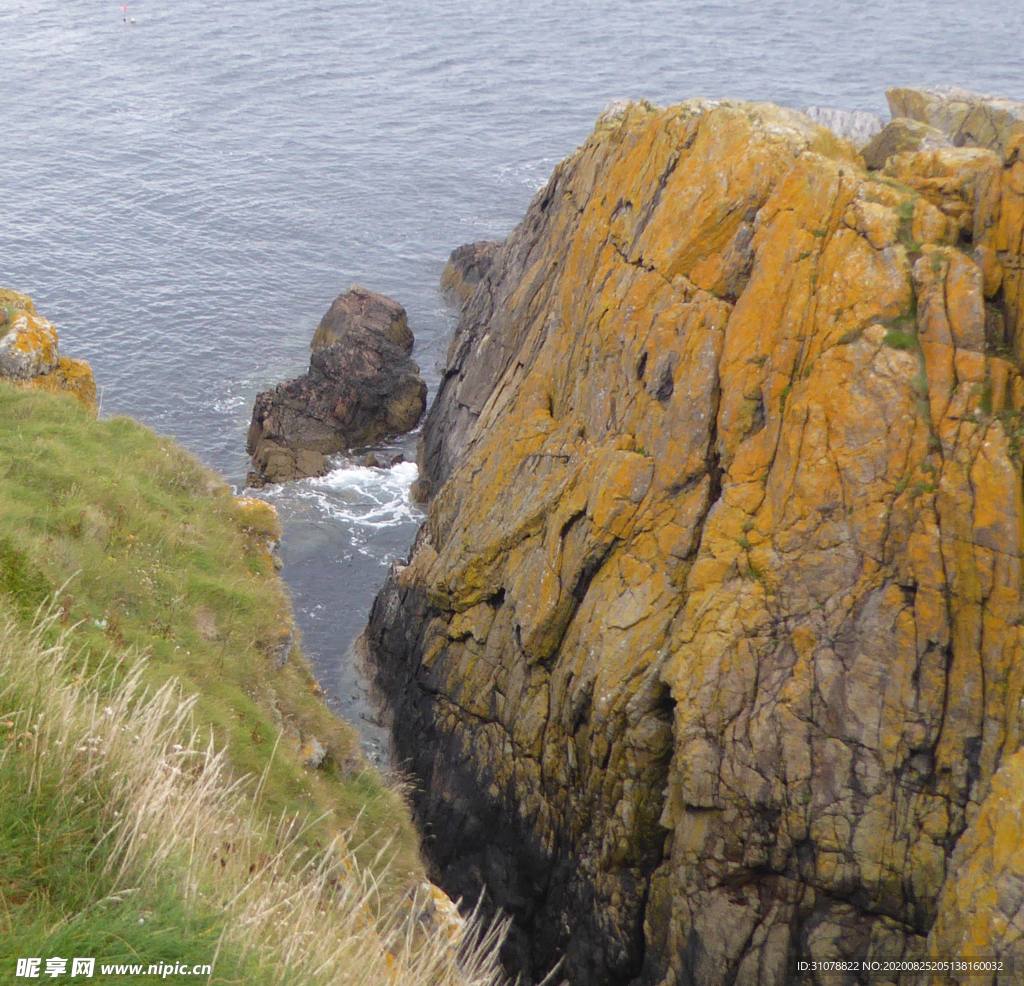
709, 655
361, 388
900, 136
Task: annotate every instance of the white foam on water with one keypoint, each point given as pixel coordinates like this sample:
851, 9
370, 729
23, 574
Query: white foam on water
224, 404
364, 496
533, 174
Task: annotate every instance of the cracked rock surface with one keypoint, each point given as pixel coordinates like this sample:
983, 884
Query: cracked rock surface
709, 655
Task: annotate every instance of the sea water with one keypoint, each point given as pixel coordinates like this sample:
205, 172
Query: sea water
186, 194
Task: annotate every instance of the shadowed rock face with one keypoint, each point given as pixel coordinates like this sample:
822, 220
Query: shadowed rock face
899, 137
709, 654
466, 268
361, 388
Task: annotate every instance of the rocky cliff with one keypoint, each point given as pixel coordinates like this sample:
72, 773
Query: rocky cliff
708, 656
29, 355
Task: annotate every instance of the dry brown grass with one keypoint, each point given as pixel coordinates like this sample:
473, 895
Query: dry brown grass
121, 779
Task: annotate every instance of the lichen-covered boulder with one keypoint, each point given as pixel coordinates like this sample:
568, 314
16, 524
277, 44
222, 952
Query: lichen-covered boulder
29, 355
28, 346
73, 377
361, 388
967, 118
710, 651
12, 302
900, 136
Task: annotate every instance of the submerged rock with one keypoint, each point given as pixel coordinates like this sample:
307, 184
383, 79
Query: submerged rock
710, 652
361, 388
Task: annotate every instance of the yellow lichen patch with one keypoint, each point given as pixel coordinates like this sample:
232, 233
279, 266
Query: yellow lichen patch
981, 908
258, 517
962, 182
259, 522
28, 347
70, 376
13, 300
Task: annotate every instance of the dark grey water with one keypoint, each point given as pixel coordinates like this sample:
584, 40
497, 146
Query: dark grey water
186, 196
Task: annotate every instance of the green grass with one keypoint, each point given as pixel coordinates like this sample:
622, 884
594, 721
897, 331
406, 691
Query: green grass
26, 586
920, 488
901, 339
986, 397
160, 576
905, 210
905, 234
154, 555
124, 838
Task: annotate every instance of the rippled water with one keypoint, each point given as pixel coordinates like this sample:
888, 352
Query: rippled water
186, 196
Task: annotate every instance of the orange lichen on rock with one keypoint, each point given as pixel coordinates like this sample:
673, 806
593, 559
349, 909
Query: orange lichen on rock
70, 376
716, 619
15, 300
29, 354
28, 347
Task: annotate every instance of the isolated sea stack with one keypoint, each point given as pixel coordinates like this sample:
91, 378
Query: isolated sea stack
709, 657
361, 388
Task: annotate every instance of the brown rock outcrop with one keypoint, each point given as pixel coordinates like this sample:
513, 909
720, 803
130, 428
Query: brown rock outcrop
709, 655
358, 308
901, 136
361, 388
29, 354
969, 119
466, 268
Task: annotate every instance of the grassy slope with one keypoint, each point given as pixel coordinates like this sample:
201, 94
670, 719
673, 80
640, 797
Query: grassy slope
162, 562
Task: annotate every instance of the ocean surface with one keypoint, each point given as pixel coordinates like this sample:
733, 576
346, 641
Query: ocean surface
185, 194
